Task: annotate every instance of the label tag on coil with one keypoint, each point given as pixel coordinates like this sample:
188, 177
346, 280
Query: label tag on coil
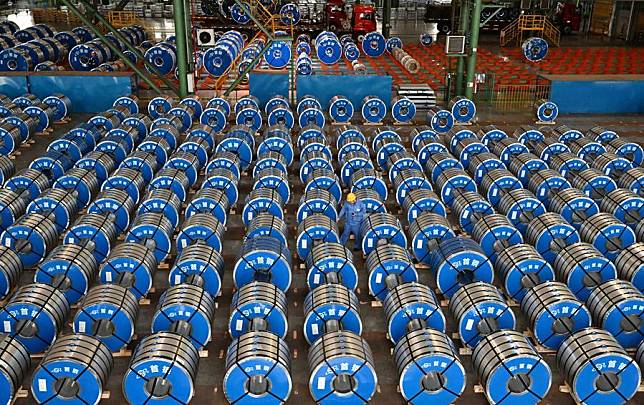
42, 385
321, 383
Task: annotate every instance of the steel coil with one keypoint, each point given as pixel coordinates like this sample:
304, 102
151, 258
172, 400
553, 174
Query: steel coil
108, 313
521, 268
330, 308
615, 306
34, 315
607, 234
331, 351
130, 265
389, 266
69, 268
612, 165
426, 232
630, 265
554, 313
495, 233
258, 368
633, 180
263, 258
578, 356
583, 268
331, 261
625, 205
14, 365
429, 367
480, 310
410, 307
459, 261
170, 363
497, 360
57, 377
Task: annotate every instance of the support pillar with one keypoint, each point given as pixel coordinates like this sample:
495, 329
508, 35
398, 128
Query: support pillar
474, 41
460, 67
386, 18
182, 48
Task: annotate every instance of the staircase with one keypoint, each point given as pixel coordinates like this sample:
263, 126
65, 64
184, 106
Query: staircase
535, 25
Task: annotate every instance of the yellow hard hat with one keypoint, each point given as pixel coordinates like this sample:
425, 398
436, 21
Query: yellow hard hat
351, 197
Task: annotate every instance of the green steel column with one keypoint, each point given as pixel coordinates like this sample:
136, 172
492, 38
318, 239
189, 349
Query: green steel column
460, 67
386, 18
474, 42
182, 49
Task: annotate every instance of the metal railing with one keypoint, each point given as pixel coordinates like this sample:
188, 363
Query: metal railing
517, 96
513, 33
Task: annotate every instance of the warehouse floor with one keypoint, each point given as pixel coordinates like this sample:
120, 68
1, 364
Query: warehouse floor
212, 369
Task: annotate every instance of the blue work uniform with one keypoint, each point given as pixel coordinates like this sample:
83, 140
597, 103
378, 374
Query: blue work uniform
353, 214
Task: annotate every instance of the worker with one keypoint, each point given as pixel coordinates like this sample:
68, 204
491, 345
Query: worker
353, 212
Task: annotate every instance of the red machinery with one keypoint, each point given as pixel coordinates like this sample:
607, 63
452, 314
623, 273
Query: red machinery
362, 21
568, 18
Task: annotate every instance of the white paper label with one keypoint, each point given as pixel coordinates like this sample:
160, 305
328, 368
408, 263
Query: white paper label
321, 383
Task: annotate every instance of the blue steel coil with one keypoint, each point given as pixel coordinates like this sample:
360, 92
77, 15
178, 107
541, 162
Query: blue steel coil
108, 313
427, 230
324, 179
502, 375
469, 208
419, 134
535, 49
313, 228
440, 120
520, 268
278, 54
452, 181
378, 228
290, 14
331, 303
186, 306
582, 267
459, 261
329, 260
373, 109
340, 109
263, 258
38, 308
403, 109
369, 179
578, 357
463, 110
374, 44
480, 309
163, 355
554, 313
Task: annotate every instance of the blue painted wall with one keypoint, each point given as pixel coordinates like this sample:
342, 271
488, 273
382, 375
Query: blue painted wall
598, 96
88, 92
354, 87
13, 86
266, 85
